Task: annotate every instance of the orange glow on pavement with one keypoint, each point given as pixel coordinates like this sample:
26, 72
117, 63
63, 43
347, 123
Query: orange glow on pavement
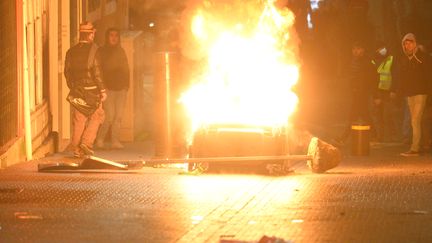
238, 192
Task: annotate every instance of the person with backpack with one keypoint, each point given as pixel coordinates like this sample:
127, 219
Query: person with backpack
87, 91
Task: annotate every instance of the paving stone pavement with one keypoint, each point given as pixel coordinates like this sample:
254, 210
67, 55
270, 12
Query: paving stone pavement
378, 198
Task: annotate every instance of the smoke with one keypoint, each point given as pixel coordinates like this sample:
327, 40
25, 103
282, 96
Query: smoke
145, 6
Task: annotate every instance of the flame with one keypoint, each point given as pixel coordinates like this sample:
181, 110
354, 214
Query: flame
251, 65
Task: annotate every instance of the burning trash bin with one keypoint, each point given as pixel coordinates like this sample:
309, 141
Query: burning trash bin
234, 141
241, 99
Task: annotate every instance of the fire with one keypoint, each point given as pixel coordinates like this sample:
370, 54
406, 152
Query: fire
250, 66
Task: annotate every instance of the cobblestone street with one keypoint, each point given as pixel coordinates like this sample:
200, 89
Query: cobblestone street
216, 121
379, 198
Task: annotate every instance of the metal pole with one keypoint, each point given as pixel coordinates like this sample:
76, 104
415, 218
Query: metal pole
26, 85
168, 142
230, 159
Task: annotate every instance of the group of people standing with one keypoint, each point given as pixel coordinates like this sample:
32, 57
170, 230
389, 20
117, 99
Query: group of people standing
98, 79
386, 79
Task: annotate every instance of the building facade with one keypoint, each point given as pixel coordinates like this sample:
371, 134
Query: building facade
35, 35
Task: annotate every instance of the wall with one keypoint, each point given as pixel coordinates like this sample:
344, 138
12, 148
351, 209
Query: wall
35, 68
105, 14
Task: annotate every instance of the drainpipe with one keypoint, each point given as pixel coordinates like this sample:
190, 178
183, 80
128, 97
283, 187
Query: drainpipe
26, 94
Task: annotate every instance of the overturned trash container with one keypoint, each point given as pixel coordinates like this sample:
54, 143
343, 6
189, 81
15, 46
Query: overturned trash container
360, 138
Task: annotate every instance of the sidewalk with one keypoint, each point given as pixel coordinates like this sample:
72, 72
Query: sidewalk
378, 198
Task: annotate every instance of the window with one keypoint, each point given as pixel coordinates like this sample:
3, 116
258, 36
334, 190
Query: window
93, 5
92, 9
110, 6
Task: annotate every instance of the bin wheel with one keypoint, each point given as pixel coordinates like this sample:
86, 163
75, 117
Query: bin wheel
283, 168
198, 167
286, 167
191, 166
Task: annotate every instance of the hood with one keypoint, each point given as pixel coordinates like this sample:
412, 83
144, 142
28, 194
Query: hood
409, 36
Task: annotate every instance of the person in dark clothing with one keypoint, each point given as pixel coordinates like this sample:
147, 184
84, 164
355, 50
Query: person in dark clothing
87, 92
412, 80
116, 72
363, 80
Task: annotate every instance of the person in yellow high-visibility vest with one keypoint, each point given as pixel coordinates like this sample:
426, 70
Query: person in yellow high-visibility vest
385, 111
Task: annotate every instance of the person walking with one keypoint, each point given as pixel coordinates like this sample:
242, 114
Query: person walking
87, 91
116, 77
412, 78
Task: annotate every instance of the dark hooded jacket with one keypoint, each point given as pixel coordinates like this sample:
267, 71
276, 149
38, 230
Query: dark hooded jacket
114, 65
83, 67
84, 77
412, 74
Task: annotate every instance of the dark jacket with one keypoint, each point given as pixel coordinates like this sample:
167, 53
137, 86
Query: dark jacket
364, 84
84, 78
363, 78
79, 70
412, 73
412, 76
114, 66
